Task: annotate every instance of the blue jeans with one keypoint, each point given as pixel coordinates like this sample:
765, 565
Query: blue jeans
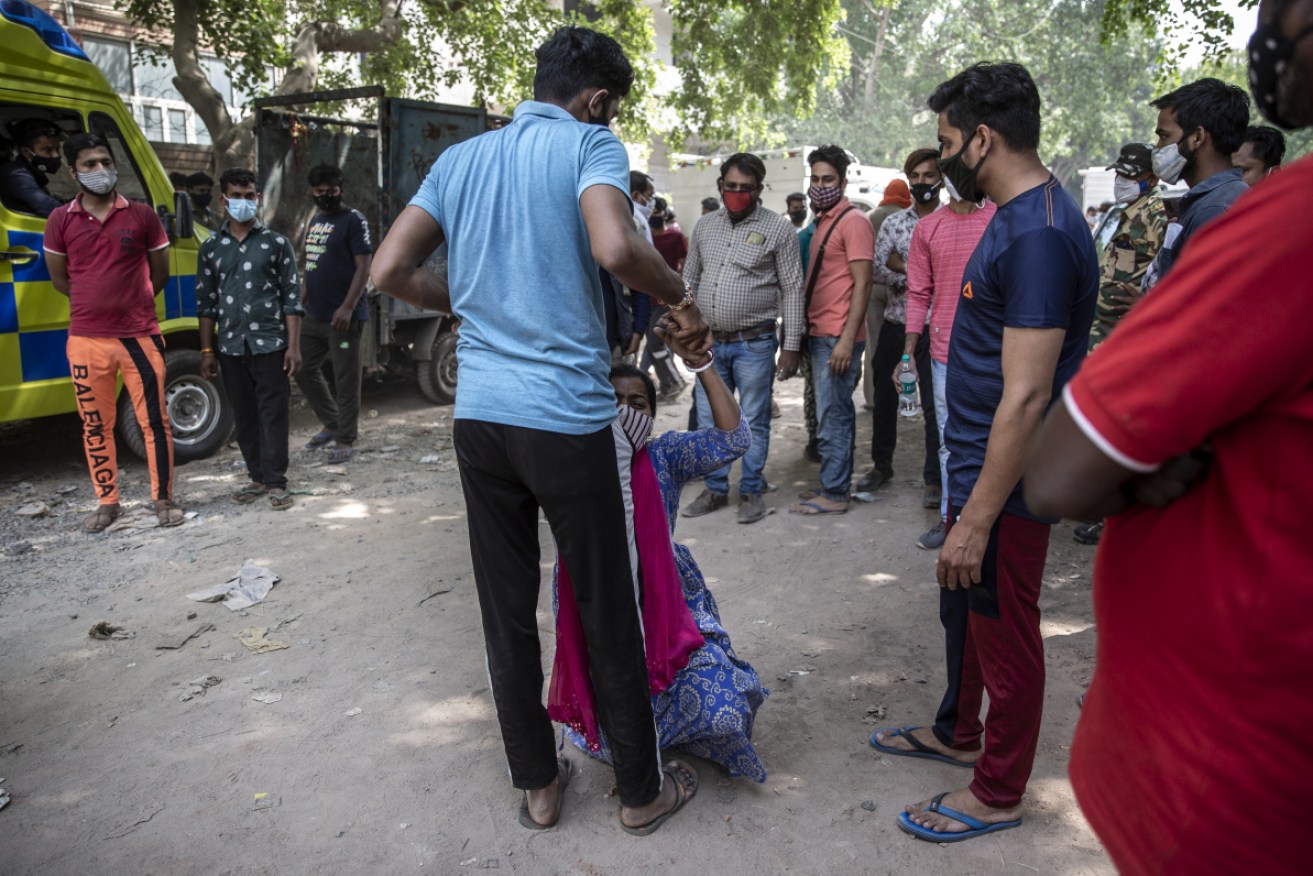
748, 368
939, 375
836, 416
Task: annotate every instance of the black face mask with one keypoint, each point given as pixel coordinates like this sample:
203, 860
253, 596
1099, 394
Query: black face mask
328, 203
962, 177
798, 216
200, 202
924, 193
48, 166
1270, 51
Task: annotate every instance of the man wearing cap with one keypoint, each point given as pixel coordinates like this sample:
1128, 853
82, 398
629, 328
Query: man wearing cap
1134, 243
1131, 249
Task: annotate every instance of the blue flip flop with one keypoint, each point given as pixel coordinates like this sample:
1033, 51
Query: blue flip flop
978, 828
319, 440
922, 750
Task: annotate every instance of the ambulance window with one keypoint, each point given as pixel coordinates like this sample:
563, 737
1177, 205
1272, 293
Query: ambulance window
59, 184
131, 184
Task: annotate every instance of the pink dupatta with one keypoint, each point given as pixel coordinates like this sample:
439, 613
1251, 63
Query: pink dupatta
670, 635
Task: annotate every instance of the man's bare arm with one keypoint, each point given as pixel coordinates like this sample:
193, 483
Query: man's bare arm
621, 250
159, 269
398, 268
57, 265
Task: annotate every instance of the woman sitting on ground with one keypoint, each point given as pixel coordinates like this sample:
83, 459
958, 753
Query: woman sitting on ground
705, 698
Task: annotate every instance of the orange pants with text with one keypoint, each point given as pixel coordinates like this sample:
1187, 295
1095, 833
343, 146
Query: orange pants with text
95, 364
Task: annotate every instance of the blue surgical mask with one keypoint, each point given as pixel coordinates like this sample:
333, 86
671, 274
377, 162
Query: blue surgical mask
242, 210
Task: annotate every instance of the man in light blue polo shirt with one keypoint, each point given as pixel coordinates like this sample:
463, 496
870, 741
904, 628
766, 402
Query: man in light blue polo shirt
535, 413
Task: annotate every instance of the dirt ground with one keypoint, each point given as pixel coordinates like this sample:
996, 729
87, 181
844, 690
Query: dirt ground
380, 751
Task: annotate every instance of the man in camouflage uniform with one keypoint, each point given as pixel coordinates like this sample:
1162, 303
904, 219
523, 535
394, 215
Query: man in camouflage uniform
1127, 257
1134, 243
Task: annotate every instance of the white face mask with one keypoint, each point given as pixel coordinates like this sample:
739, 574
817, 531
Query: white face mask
1169, 163
241, 209
100, 182
1125, 190
644, 210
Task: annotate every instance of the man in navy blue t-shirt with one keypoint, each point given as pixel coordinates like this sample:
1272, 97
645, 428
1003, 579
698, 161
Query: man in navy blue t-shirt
337, 259
1020, 333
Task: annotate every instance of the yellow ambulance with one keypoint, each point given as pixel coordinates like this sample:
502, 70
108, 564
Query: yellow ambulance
44, 74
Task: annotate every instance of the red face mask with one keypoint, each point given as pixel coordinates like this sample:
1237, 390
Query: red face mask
737, 202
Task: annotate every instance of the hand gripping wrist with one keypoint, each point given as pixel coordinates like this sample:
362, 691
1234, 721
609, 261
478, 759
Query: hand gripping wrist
698, 369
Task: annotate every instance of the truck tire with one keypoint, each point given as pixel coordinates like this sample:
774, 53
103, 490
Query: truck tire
437, 376
198, 409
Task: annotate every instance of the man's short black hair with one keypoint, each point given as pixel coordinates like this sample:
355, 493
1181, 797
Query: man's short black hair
177, 179
1002, 97
1269, 144
325, 175
920, 156
1220, 109
619, 372
747, 163
575, 58
710, 204
237, 176
833, 156
796, 196
660, 204
80, 142
199, 178
639, 181
27, 131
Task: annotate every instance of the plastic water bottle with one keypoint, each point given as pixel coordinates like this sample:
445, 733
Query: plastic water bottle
908, 405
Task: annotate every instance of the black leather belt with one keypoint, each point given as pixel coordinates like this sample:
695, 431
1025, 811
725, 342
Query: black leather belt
766, 328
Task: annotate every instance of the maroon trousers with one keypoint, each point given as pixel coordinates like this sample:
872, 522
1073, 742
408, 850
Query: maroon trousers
993, 645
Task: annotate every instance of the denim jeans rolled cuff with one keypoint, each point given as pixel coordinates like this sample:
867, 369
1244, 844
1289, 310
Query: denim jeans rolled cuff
748, 369
836, 416
939, 376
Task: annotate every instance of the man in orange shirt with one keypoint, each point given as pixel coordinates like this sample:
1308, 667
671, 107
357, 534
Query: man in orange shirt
838, 287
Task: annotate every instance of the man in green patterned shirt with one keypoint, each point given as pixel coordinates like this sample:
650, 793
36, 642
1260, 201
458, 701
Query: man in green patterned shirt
248, 301
1134, 243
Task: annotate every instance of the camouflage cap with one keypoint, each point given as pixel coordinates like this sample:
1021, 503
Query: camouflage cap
1135, 159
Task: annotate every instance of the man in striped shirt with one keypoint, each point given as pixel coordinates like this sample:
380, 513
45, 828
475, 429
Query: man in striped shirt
942, 244
745, 271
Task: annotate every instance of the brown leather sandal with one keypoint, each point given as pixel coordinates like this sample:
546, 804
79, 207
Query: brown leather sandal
103, 518
168, 513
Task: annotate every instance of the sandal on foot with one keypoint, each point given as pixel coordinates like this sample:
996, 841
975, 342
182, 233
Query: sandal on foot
922, 750
248, 494
683, 793
169, 513
977, 828
281, 500
339, 454
322, 438
100, 521
563, 773
812, 508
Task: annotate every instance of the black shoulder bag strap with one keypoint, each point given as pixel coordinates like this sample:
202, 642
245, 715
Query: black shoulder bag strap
811, 279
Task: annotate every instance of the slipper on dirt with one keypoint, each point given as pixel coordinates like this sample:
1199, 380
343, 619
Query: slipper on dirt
165, 516
683, 793
922, 750
977, 828
319, 440
247, 495
817, 509
281, 500
563, 771
339, 454
103, 519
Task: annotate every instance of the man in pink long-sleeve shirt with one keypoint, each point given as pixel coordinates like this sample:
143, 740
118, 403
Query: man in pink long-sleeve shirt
941, 246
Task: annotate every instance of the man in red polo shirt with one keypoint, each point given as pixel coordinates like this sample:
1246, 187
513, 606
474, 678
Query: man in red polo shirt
1191, 756
110, 256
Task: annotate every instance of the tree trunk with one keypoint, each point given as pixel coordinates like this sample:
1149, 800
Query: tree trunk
234, 141
873, 64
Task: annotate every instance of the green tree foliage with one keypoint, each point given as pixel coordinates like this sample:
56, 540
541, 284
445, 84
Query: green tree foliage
1095, 94
1180, 22
740, 61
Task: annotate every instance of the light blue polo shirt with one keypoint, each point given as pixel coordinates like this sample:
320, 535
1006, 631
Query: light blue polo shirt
523, 280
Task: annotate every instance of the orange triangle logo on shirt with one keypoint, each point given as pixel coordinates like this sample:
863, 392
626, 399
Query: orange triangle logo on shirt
966, 290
